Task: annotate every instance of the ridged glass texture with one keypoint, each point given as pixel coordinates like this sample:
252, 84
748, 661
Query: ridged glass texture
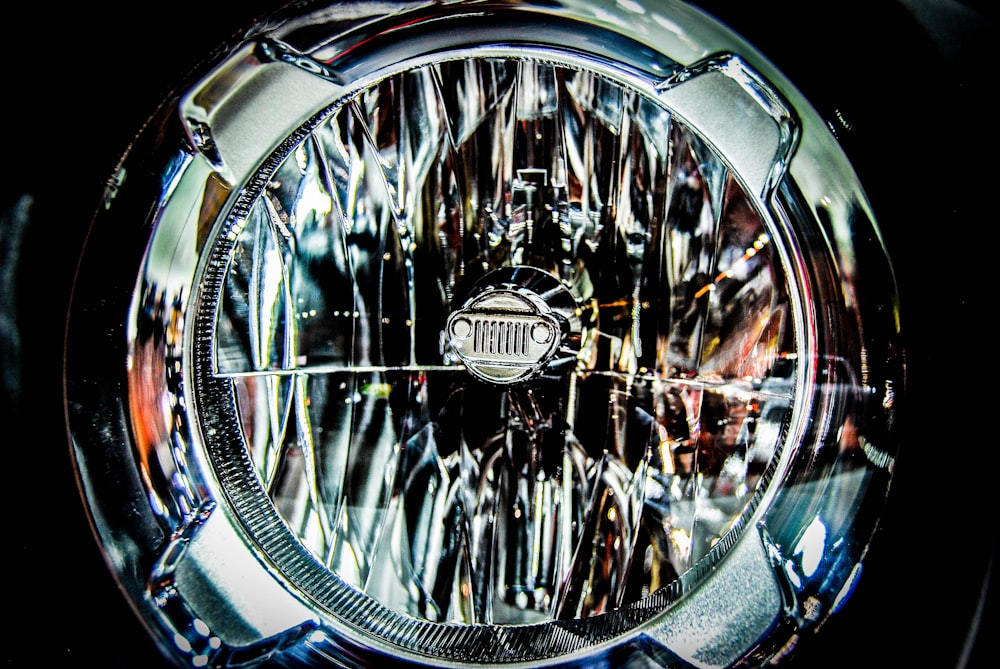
588, 486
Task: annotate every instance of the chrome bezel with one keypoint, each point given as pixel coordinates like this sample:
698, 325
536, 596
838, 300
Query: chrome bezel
200, 519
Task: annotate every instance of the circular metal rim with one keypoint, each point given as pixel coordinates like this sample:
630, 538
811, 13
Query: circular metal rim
83, 461
536, 642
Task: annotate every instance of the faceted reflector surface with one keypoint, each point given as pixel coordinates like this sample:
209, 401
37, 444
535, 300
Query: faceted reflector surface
619, 463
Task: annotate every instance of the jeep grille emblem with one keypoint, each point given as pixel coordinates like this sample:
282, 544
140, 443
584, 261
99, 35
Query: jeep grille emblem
505, 334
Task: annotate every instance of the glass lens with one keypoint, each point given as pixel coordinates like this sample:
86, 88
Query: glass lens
598, 415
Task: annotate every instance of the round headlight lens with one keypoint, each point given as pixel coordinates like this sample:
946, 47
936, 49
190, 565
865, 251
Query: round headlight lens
488, 332
488, 340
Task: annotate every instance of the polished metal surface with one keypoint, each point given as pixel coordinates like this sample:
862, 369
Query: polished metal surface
514, 333
514, 324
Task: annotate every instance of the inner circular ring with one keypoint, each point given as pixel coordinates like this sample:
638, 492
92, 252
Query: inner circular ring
394, 487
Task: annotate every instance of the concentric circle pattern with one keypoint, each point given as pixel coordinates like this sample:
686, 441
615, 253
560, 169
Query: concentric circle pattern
452, 500
491, 333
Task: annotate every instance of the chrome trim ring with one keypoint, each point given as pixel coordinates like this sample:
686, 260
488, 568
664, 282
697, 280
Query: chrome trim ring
303, 468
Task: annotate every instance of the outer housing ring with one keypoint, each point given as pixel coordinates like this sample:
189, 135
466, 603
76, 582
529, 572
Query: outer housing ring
165, 557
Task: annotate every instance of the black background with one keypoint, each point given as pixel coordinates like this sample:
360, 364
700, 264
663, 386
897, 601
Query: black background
910, 81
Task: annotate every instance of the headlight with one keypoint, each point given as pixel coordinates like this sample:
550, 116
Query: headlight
514, 333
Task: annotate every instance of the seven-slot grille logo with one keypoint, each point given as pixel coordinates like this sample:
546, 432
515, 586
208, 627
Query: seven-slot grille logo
505, 334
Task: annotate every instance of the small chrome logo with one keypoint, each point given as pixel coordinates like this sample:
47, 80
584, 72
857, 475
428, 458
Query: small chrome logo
505, 334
